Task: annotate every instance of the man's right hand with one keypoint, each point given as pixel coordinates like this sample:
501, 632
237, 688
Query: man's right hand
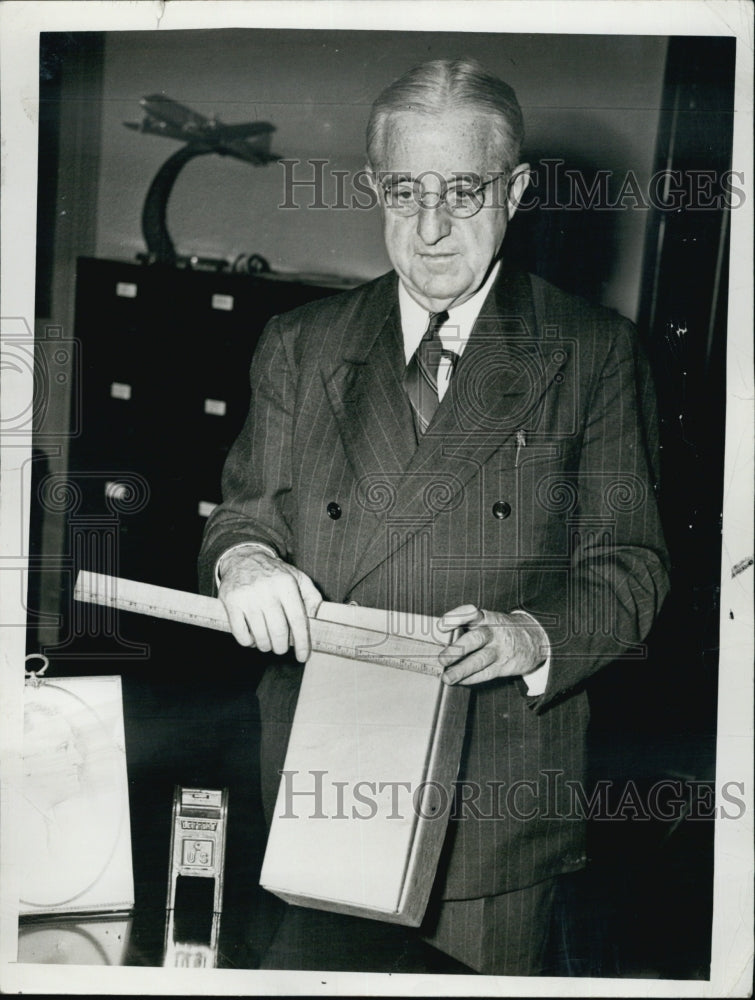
268, 602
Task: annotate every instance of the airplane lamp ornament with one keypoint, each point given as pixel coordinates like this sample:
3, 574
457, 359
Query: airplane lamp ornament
249, 141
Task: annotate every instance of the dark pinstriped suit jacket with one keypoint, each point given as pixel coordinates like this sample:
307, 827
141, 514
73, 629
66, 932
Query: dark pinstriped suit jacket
550, 422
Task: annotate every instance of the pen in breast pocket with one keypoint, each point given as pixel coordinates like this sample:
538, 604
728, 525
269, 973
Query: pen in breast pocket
521, 442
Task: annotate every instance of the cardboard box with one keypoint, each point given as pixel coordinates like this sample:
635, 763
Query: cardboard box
366, 790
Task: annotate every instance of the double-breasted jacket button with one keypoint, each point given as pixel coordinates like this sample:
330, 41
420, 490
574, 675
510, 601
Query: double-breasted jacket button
501, 509
334, 510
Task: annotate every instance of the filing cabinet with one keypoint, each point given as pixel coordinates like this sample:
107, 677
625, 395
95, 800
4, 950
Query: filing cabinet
162, 389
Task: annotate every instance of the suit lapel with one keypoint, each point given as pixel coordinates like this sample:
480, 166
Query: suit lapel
365, 392
496, 390
497, 382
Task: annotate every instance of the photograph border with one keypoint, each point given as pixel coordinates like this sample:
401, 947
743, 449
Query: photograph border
20, 25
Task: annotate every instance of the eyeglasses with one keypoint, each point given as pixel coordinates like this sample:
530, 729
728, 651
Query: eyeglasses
461, 200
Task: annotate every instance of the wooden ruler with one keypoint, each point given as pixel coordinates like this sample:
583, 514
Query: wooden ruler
418, 655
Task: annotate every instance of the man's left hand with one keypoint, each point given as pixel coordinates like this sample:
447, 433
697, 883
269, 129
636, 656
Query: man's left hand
492, 645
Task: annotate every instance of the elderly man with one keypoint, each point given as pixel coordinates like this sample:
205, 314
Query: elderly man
533, 411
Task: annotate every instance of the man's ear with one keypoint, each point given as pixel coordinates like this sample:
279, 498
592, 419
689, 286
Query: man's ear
372, 177
520, 178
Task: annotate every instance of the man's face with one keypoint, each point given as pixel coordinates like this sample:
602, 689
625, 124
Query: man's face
53, 762
443, 260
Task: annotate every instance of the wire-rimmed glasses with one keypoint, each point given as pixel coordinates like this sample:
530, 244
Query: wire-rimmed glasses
463, 197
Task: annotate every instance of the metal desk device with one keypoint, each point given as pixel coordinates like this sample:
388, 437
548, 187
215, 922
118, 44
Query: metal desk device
197, 854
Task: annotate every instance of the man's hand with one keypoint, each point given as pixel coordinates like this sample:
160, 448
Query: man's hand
493, 645
268, 602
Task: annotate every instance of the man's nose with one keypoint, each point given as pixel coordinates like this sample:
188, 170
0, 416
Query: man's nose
433, 223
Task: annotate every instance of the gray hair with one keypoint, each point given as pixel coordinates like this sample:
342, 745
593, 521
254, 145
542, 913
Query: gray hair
444, 84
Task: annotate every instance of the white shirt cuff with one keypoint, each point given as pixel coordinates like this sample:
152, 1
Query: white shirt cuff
257, 546
537, 679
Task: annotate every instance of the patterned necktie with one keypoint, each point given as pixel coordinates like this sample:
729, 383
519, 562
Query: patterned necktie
421, 377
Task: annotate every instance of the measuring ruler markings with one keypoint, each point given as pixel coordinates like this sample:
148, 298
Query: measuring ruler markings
353, 641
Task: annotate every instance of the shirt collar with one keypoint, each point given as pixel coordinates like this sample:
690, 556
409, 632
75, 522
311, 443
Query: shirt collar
456, 331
